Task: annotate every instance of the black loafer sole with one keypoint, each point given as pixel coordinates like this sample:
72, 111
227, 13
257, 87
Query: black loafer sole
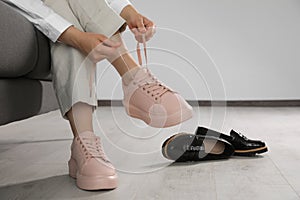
188, 147
251, 152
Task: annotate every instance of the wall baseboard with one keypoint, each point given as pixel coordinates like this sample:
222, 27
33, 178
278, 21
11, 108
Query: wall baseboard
249, 103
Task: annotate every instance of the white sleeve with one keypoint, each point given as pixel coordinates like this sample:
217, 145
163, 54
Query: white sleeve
118, 5
43, 17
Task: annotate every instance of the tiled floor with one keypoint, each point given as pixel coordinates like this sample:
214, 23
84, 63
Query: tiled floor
34, 154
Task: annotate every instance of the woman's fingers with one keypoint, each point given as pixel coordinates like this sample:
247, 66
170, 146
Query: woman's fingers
102, 51
150, 31
144, 27
137, 35
140, 25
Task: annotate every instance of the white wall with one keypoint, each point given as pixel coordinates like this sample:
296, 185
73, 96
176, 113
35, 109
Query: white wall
254, 43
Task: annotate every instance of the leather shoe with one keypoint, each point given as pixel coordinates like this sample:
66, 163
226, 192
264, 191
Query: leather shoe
243, 146
184, 147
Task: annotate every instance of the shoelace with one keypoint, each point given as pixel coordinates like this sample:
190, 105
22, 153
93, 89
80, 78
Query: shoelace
151, 85
149, 82
92, 148
138, 51
92, 79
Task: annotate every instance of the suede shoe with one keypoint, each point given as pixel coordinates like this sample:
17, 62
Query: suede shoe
243, 146
146, 98
89, 164
184, 147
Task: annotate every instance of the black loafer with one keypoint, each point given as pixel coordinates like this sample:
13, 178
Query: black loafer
184, 147
243, 146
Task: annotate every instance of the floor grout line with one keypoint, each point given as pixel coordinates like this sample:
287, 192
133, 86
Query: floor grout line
282, 175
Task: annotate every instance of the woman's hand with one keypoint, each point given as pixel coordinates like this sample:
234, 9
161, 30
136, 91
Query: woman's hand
96, 46
138, 24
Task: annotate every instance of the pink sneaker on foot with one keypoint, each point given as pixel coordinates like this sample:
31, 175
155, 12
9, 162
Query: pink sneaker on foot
146, 98
89, 165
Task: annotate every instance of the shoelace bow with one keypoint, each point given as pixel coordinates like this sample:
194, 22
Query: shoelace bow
149, 82
92, 148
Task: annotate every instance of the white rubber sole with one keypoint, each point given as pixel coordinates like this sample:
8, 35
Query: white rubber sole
159, 121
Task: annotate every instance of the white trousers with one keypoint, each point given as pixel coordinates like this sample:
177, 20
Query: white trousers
71, 70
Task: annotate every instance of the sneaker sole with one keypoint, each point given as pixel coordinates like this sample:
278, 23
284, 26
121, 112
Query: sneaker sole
94, 182
159, 121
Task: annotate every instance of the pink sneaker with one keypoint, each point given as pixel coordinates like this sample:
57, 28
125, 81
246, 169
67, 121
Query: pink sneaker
146, 98
89, 165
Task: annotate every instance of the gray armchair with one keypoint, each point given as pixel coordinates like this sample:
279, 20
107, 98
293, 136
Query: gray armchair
25, 68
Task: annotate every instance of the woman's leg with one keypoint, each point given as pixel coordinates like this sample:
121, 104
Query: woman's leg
123, 61
80, 117
72, 75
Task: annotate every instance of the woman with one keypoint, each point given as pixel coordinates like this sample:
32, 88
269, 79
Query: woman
80, 29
